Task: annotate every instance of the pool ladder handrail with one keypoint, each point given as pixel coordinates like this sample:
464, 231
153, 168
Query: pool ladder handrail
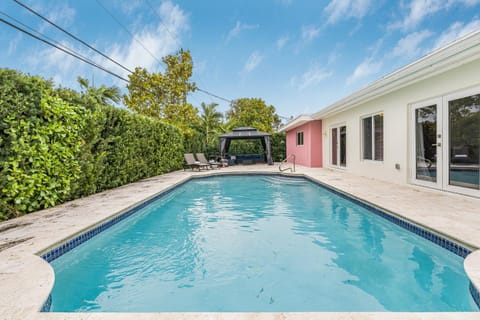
285, 161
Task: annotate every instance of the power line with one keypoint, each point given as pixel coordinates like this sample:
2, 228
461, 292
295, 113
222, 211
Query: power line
146, 49
72, 35
214, 95
46, 37
86, 60
67, 51
128, 31
131, 34
175, 38
164, 25
31, 29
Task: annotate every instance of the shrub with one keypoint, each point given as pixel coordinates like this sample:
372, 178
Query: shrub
279, 146
40, 156
57, 145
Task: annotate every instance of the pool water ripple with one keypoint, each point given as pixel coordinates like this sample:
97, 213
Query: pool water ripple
258, 243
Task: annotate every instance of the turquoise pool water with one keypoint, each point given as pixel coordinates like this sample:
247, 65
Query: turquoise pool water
258, 243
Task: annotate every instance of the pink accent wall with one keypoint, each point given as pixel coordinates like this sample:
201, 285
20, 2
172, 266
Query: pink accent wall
310, 153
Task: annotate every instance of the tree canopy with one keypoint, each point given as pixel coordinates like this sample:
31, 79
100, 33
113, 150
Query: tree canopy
253, 112
164, 96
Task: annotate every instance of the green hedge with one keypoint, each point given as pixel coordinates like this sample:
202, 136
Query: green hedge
279, 146
57, 145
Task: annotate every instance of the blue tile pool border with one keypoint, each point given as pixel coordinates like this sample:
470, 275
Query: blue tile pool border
411, 227
475, 294
47, 305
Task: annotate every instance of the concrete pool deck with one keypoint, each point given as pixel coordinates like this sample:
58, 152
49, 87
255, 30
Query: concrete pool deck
26, 279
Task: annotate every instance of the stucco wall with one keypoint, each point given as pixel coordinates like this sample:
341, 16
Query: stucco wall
310, 153
395, 107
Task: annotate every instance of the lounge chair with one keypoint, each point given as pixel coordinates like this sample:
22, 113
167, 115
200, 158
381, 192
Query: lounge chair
191, 163
201, 157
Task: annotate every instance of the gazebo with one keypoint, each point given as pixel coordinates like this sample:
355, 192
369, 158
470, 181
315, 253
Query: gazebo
246, 133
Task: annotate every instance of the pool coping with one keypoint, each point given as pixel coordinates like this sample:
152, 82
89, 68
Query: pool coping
472, 266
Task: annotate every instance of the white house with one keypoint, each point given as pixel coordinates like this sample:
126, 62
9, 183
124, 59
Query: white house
418, 125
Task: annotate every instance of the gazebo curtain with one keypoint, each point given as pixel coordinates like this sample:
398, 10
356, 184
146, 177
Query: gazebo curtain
225, 146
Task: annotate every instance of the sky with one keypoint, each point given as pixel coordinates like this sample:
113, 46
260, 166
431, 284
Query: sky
298, 55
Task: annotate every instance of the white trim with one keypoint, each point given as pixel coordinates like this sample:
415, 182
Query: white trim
330, 145
413, 143
443, 156
297, 122
446, 155
461, 51
362, 145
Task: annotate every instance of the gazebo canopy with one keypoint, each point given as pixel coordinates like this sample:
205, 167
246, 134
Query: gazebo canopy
246, 133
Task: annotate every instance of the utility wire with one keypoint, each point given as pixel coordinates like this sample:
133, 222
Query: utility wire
175, 38
45, 36
128, 31
146, 49
214, 95
86, 60
164, 25
132, 35
72, 35
30, 28
67, 51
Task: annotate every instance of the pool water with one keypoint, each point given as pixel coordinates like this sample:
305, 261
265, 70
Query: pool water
258, 243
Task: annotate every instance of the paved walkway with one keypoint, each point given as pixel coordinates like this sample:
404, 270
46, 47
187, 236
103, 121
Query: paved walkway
26, 280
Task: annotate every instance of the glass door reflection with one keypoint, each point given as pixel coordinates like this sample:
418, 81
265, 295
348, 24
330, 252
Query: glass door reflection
426, 143
464, 141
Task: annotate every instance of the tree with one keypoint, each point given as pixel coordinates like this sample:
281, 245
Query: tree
102, 95
164, 96
253, 112
210, 121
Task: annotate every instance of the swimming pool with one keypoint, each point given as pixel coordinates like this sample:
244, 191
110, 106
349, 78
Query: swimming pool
258, 243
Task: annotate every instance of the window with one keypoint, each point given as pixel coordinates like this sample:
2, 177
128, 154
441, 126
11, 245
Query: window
372, 137
300, 138
339, 146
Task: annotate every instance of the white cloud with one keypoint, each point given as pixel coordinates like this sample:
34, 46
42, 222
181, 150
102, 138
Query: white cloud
239, 27
455, 31
282, 41
309, 33
160, 40
367, 68
64, 73
253, 62
60, 14
409, 46
131, 54
310, 78
346, 9
12, 46
128, 7
418, 10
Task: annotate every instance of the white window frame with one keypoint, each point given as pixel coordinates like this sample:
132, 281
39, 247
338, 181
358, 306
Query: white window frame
372, 115
330, 145
442, 103
446, 143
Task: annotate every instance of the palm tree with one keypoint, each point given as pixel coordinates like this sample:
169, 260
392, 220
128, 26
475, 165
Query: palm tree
102, 94
211, 120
